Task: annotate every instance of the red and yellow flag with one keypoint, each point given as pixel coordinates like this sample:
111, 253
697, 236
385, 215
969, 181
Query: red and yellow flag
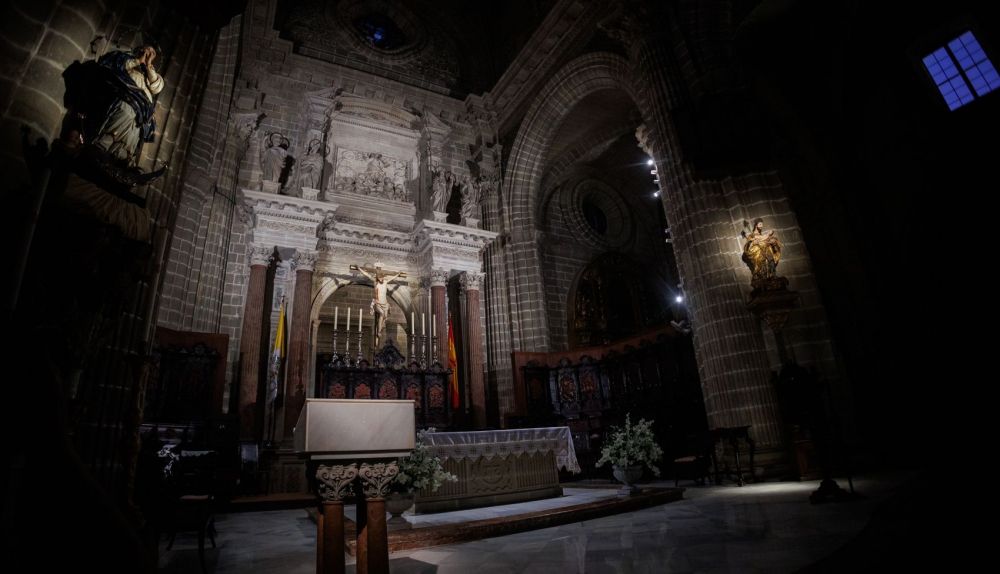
453, 365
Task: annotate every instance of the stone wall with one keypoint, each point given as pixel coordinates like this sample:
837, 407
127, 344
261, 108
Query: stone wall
43, 38
568, 247
275, 84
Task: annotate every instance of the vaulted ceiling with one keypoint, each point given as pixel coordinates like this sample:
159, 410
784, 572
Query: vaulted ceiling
450, 46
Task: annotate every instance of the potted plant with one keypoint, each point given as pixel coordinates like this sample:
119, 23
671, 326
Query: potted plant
628, 448
420, 470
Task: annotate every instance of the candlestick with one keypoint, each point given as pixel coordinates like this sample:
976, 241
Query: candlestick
336, 315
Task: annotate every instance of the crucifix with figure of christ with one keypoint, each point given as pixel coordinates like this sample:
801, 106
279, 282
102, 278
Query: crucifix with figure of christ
380, 279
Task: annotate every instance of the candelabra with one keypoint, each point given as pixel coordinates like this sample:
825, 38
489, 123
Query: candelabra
423, 352
360, 356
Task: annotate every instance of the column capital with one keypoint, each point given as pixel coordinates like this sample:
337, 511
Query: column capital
304, 260
335, 481
439, 277
377, 478
260, 255
471, 281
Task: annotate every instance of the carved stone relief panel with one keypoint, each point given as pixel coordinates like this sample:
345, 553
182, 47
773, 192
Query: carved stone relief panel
371, 173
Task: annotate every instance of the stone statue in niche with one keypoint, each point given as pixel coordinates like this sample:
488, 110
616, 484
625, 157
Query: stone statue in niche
311, 166
470, 202
275, 160
761, 253
440, 189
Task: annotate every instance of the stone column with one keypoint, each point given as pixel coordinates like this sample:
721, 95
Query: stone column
375, 481
439, 311
252, 340
732, 358
333, 482
473, 331
298, 343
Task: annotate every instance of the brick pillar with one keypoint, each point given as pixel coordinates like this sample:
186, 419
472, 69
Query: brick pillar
252, 340
473, 331
298, 342
733, 364
439, 310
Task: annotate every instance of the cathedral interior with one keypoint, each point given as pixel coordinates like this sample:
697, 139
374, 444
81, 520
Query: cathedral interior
743, 220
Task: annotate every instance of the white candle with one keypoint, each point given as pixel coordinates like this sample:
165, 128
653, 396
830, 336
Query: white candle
359, 319
434, 329
348, 318
423, 324
336, 315
413, 322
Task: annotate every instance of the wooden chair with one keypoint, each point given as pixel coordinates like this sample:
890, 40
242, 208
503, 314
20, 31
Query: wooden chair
193, 507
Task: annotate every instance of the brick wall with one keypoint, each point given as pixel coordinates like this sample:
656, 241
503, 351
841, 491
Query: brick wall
40, 40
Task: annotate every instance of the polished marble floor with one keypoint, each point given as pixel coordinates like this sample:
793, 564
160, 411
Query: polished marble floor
768, 527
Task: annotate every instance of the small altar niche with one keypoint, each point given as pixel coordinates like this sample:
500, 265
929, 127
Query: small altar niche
389, 376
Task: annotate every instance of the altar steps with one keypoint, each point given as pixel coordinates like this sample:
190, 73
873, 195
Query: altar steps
422, 537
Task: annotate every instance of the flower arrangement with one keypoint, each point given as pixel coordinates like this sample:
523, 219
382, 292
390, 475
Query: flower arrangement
632, 445
421, 469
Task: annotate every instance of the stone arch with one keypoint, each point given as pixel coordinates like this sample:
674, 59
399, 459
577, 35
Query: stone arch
576, 80
581, 77
330, 285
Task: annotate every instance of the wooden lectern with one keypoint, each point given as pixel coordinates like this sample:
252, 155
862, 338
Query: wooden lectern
352, 439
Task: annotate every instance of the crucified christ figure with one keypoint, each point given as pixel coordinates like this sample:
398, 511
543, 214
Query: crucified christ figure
380, 300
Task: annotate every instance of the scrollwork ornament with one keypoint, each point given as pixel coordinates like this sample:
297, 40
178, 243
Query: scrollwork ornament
335, 481
377, 478
471, 281
260, 255
439, 277
304, 260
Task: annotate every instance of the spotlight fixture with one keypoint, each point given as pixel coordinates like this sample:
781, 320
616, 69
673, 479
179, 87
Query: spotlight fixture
649, 162
656, 194
679, 298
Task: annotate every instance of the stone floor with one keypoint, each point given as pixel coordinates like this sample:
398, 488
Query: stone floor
768, 527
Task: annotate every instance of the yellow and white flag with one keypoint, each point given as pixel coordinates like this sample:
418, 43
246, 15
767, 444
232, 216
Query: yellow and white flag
277, 356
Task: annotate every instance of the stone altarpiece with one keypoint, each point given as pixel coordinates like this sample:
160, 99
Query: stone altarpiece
373, 204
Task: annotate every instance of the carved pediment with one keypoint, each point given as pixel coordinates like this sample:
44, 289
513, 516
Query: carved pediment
374, 110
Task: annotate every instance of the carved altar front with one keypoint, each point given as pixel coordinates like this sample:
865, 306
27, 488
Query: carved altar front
498, 467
